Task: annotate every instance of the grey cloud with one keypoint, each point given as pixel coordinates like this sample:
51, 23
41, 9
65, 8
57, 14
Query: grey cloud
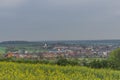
11, 3
59, 19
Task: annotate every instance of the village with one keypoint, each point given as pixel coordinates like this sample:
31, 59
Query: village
99, 51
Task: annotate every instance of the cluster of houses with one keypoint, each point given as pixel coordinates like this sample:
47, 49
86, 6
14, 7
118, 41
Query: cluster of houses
65, 51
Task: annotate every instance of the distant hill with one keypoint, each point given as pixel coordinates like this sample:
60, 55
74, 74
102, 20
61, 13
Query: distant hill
14, 42
65, 42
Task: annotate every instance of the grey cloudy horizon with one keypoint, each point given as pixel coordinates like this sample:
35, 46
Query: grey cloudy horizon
35, 20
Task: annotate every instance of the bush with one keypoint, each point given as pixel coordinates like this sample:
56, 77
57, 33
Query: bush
115, 58
102, 64
98, 64
95, 64
64, 62
74, 62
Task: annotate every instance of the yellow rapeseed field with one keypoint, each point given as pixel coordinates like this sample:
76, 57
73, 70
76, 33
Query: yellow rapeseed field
22, 71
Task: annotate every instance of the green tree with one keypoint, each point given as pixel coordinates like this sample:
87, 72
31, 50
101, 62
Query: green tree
115, 57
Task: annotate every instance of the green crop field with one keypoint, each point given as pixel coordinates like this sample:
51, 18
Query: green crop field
29, 49
2, 50
22, 71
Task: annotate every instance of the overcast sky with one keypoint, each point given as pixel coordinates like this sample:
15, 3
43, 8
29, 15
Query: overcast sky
36, 20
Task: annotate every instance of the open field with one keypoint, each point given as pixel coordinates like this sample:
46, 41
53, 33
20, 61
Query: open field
29, 49
22, 71
2, 50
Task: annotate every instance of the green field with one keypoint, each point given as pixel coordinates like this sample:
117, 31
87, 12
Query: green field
22, 71
2, 50
29, 49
